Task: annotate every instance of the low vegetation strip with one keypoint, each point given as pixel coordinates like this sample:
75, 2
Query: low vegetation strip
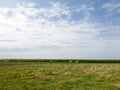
60, 60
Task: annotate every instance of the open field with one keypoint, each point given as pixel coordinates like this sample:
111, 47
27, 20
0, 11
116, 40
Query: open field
59, 75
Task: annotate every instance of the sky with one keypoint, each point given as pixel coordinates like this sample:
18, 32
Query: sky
77, 29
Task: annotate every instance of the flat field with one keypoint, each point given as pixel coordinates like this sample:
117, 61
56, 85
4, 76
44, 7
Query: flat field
59, 76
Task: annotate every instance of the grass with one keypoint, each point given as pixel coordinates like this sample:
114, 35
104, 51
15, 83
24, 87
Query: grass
59, 76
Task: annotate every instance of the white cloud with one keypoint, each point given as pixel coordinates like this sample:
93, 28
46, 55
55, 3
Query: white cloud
112, 6
46, 30
84, 7
28, 4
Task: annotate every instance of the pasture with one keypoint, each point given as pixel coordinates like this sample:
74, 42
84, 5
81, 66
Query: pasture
64, 75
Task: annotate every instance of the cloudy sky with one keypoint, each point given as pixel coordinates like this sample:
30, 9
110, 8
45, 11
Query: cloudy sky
60, 29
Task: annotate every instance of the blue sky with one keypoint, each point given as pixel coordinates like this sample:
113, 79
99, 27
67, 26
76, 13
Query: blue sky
60, 29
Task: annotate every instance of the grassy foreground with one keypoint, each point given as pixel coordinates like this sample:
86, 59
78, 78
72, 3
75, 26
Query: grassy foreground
59, 76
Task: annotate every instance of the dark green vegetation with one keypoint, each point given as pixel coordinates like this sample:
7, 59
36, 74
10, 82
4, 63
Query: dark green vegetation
59, 75
60, 60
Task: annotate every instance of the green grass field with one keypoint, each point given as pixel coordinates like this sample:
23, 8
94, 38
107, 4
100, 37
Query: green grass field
59, 76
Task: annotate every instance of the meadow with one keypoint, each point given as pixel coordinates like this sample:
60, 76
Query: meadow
59, 75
